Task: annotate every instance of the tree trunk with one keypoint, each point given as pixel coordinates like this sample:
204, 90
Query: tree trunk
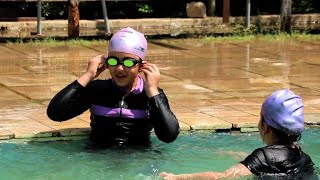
285, 16
226, 11
73, 19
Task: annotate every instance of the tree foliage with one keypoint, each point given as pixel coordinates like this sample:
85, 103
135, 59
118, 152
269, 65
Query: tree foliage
153, 8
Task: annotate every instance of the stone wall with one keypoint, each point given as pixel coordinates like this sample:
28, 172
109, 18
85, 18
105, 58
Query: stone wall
163, 26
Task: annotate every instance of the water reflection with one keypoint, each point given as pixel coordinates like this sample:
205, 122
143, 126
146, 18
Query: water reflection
197, 75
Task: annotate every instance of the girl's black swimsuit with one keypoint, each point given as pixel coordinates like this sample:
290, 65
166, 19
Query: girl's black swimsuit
116, 118
280, 162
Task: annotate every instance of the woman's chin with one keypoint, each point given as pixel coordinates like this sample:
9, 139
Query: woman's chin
122, 85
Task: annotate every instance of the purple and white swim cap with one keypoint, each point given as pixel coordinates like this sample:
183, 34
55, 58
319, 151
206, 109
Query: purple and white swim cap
128, 40
283, 110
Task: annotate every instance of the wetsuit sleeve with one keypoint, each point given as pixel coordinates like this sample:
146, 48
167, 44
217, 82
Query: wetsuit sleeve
166, 125
256, 162
68, 103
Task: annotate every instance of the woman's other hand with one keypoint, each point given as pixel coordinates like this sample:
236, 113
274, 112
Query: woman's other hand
152, 75
96, 66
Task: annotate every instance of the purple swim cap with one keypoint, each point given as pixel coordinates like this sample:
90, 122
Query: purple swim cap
128, 40
283, 110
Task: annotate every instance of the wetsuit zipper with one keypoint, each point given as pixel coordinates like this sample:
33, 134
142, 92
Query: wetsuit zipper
122, 137
121, 105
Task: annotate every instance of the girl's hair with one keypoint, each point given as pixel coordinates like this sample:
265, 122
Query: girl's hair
283, 137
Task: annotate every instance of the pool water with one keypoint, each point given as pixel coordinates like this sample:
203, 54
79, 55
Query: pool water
191, 152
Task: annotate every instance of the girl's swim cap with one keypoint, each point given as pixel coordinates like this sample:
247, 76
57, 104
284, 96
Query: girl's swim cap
128, 40
283, 110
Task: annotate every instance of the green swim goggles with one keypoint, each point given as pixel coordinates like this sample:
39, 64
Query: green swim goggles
127, 61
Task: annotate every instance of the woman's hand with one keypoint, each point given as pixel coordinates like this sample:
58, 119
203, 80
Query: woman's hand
198, 176
96, 66
152, 75
169, 176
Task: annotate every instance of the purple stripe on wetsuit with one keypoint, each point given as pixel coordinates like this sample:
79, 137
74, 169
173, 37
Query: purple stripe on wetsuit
115, 112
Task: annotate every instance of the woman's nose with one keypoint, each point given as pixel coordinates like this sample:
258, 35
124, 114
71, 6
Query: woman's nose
120, 67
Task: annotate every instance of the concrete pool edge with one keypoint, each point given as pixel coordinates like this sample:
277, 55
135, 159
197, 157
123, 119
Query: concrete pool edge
83, 135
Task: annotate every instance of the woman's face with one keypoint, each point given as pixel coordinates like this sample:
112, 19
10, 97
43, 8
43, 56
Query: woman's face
124, 77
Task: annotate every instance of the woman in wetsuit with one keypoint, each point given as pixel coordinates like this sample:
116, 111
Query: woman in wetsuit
125, 108
280, 127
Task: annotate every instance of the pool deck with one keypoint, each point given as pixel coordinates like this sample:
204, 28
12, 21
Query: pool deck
210, 85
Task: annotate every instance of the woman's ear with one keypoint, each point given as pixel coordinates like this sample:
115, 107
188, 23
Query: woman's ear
267, 129
140, 66
105, 62
264, 127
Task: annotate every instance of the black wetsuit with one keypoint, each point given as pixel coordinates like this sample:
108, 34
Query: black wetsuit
280, 161
116, 118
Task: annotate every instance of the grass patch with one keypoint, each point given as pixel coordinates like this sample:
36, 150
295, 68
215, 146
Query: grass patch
264, 37
52, 42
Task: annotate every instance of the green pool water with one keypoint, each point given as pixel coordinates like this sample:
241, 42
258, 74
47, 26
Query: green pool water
192, 152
